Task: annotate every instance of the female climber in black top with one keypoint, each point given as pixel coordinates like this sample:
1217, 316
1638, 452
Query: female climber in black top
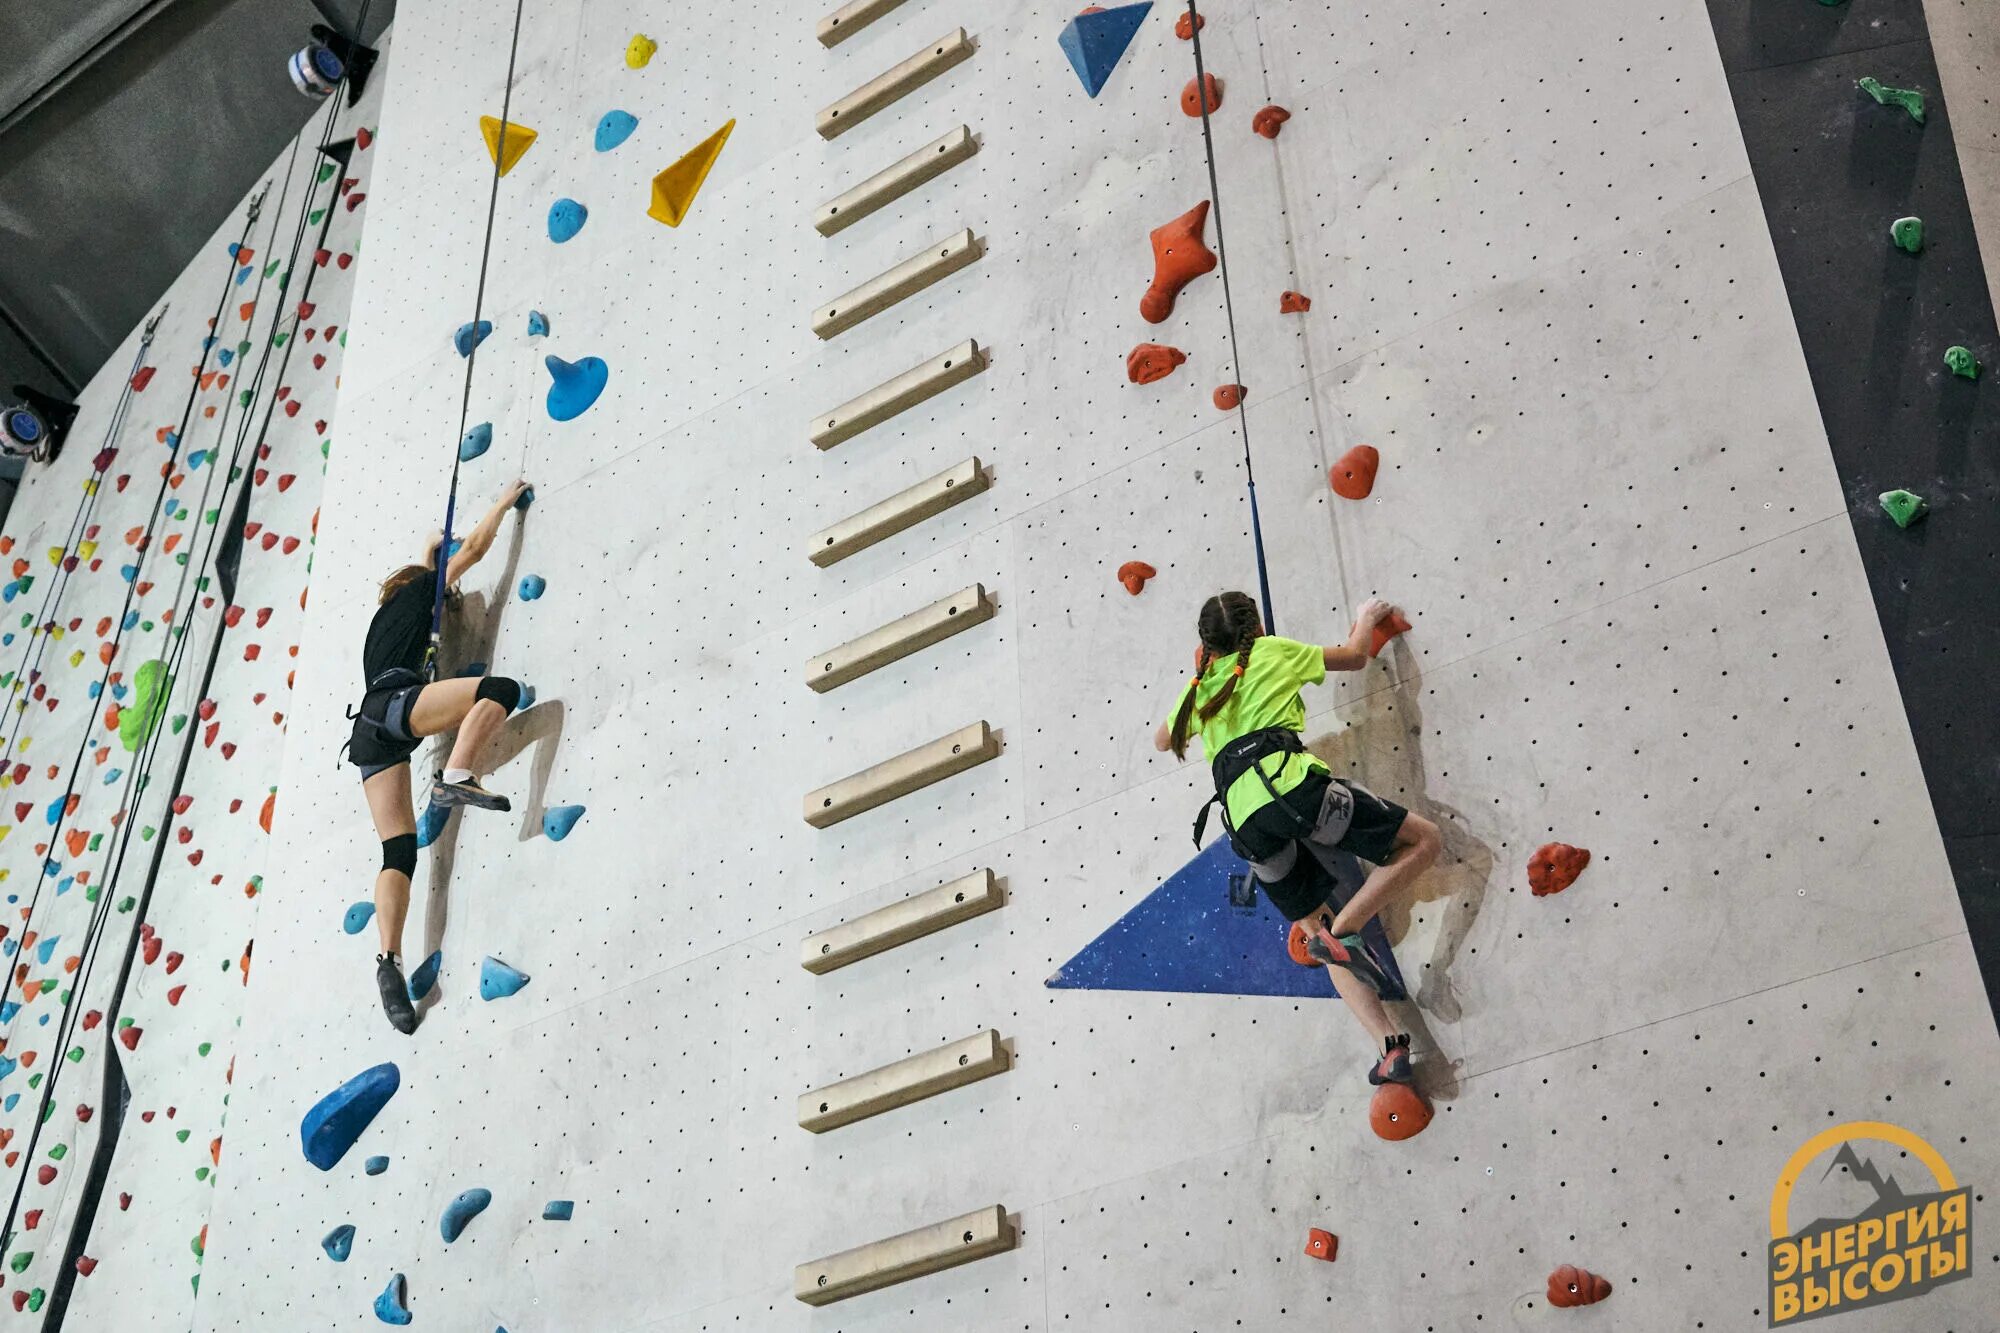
398, 711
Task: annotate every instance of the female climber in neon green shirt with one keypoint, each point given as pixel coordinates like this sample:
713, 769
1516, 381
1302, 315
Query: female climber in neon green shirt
1285, 812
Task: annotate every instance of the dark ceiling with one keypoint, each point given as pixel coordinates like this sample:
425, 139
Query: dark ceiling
129, 129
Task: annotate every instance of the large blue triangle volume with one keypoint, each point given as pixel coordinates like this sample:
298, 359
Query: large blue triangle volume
1096, 42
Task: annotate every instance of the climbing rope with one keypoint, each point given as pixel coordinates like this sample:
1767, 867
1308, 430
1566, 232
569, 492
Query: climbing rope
443, 555
1229, 308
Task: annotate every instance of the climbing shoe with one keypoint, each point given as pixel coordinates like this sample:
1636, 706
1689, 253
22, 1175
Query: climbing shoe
468, 792
1350, 952
1394, 1066
395, 994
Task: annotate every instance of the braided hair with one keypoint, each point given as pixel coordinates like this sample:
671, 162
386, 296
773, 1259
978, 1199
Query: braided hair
1229, 623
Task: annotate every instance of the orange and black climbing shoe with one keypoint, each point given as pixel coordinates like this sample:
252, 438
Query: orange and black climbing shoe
1394, 1066
1350, 952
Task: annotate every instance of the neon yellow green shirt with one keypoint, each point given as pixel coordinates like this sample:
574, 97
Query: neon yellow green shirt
1267, 696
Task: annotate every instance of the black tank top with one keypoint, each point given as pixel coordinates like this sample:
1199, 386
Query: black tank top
401, 629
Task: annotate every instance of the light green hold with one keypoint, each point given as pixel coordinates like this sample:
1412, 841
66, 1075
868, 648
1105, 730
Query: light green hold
22, 1258
181, 1136
243, 398
58, 1152
150, 687
204, 1048
1961, 362
1908, 234
127, 903
201, 1173
75, 1054
1906, 507
35, 1299
1909, 99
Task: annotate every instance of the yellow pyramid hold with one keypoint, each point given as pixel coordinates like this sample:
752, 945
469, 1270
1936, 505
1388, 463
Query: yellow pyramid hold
85, 550
55, 555
519, 140
674, 189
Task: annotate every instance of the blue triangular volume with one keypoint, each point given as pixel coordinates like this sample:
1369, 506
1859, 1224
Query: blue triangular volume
1187, 935
1096, 42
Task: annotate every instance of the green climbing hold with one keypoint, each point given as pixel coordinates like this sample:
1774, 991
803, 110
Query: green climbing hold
201, 1173
1961, 362
58, 1151
1904, 506
205, 1048
181, 1136
243, 398
48, 985
314, 216
90, 894
35, 1299
127, 903
150, 687
22, 1258
197, 1246
1908, 234
1909, 99
75, 1054
326, 170
96, 840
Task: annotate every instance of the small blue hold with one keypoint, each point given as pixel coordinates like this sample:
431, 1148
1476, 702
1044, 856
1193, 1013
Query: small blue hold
461, 1211
197, 458
131, 619
527, 698
532, 587
496, 980
126, 572
558, 1210
357, 918
339, 1242
173, 439
391, 1307
120, 690
615, 128
8, 1066
375, 1166
432, 823
96, 689
8, 638
47, 948
425, 978
538, 324
557, 823
566, 218
63, 888
225, 356
527, 498
235, 247
575, 385
13, 1098
10, 947
8, 1010
113, 776
55, 810
476, 442
243, 274
470, 336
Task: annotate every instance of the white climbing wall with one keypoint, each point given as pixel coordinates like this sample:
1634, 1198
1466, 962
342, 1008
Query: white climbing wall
1542, 287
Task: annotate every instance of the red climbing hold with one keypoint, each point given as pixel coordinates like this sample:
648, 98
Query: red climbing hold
363, 137
150, 947
129, 1038
1321, 1244
174, 960
1353, 476
1210, 91
1134, 574
1386, 630
1293, 303
1185, 30
1229, 397
1397, 1112
1179, 257
264, 815
45, 1173
1572, 1286
1152, 361
85, 1265
124, 1202
174, 995
32, 1219
1555, 866
1268, 121
140, 379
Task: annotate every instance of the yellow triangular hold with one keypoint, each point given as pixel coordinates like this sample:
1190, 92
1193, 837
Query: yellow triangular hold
519, 140
674, 189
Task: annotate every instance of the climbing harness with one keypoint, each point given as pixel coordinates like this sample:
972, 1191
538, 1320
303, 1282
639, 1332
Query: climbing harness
1246, 754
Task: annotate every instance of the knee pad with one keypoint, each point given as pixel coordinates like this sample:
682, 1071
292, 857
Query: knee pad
400, 853
501, 690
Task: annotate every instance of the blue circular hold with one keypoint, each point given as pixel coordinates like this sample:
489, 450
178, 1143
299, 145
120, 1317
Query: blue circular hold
566, 218
615, 128
24, 425
577, 385
326, 64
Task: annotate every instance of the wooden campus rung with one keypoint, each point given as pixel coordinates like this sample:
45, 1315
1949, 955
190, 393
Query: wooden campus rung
895, 180
894, 84
851, 18
884, 1263
899, 638
901, 921
938, 261
913, 770
905, 1081
906, 508
898, 394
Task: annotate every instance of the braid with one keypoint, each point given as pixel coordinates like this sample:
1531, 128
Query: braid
1229, 623
1228, 690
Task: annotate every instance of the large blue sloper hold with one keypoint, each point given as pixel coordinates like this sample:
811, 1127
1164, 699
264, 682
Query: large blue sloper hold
559, 820
338, 1118
614, 128
574, 385
431, 823
1096, 42
470, 336
476, 442
462, 1210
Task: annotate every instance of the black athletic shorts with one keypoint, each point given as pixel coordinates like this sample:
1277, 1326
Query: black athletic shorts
1371, 835
381, 738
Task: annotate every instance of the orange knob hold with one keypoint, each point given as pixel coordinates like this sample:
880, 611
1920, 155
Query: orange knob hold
1152, 361
1229, 397
1572, 1286
1207, 89
1293, 303
1268, 121
1321, 1244
1185, 30
1397, 1112
1386, 630
1134, 575
1179, 257
1555, 866
1353, 476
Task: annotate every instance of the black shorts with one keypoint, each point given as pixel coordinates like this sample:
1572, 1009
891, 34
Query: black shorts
1306, 887
381, 738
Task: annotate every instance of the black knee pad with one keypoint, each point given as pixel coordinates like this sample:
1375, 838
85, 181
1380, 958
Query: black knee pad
400, 853
501, 690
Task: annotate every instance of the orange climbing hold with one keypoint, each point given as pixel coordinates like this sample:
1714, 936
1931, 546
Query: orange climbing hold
1397, 1112
270, 808
1269, 121
1152, 361
1386, 630
1571, 1286
1229, 397
1185, 30
1179, 257
1293, 303
1353, 476
1321, 1244
1134, 574
1555, 866
1207, 89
